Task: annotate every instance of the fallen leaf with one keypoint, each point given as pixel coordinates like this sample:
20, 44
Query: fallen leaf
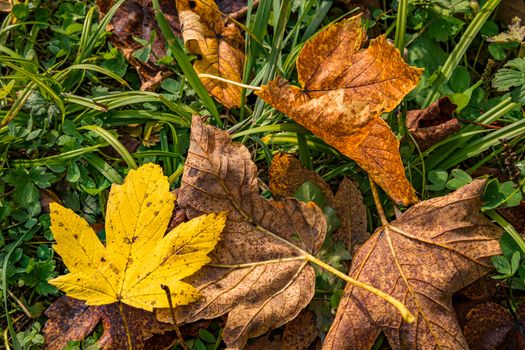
351, 211
5, 6
266, 342
137, 258
71, 320
490, 326
287, 174
300, 332
257, 277
219, 48
434, 249
345, 90
435, 123
136, 19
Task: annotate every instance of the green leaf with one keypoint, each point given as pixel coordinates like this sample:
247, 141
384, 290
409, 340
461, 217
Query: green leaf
460, 79
459, 179
309, 192
508, 245
438, 178
501, 264
515, 262
206, 336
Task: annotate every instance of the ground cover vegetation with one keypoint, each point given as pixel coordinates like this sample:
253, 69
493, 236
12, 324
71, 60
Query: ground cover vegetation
252, 174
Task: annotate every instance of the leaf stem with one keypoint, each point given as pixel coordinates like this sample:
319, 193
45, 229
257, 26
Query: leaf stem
126, 326
177, 329
407, 315
214, 77
377, 201
258, 263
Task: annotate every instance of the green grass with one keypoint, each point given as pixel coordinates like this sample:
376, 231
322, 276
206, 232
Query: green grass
70, 107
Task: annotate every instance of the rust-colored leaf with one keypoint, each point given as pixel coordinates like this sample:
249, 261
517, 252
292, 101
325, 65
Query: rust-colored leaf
435, 123
71, 319
434, 249
219, 48
351, 210
492, 327
263, 292
344, 92
287, 174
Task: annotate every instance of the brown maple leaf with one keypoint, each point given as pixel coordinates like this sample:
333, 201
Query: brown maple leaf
433, 250
492, 327
287, 174
435, 123
219, 48
344, 92
256, 276
70, 319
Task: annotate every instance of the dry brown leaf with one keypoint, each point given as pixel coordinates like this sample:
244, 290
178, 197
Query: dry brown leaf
257, 297
344, 92
135, 18
287, 174
434, 249
219, 48
351, 211
435, 123
492, 327
5, 6
71, 319
300, 332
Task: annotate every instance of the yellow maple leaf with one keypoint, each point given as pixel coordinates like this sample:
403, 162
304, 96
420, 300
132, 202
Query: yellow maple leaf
138, 258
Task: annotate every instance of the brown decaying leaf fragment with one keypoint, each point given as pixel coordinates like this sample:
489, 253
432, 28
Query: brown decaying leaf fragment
135, 18
220, 175
351, 210
71, 319
287, 174
344, 92
434, 249
435, 123
492, 327
300, 332
219, 48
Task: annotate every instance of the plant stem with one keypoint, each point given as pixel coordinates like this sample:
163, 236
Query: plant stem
209, 76
407, 315
508, 228
377, 202
401, 24
455, 56
177, 329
